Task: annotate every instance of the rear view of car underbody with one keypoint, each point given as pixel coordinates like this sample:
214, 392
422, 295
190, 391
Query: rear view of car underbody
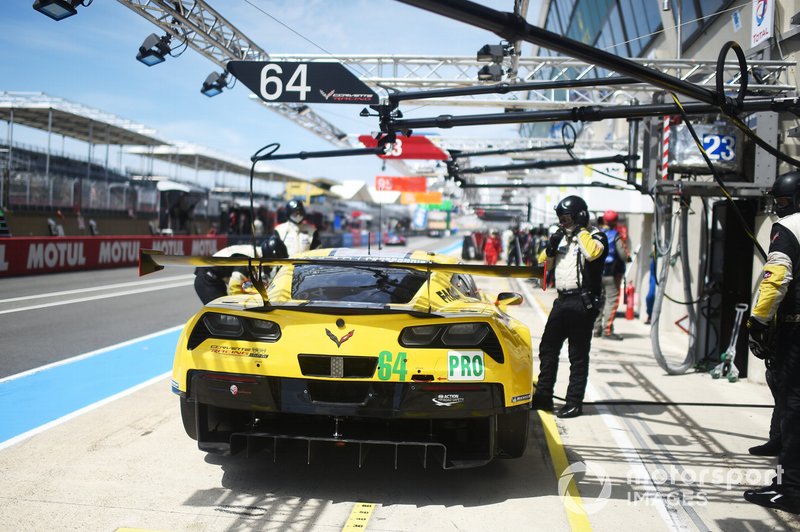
455, 425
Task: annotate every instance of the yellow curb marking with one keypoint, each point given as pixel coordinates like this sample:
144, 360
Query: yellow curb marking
578, 520
359, 517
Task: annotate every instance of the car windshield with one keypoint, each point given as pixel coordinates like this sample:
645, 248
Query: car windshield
362, 284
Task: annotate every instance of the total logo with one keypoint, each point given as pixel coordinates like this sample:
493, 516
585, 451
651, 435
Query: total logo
761, 11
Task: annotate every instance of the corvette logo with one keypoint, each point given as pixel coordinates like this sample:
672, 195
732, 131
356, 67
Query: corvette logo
339, 341
327, 95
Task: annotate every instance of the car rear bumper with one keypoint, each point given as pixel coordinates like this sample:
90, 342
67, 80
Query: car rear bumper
454, 424
348, 398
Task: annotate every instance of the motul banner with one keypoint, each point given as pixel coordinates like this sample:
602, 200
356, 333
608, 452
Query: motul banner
401, 184
415, 147
27, 256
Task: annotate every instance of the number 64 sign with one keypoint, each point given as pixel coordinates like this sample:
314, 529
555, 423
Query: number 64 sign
289, 82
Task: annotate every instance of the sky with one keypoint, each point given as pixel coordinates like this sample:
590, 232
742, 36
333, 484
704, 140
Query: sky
90, 59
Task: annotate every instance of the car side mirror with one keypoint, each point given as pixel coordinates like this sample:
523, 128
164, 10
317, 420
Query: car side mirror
504, 299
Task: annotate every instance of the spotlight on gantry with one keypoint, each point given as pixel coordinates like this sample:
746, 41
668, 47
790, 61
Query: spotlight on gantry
214, 84
59, 9
154, 49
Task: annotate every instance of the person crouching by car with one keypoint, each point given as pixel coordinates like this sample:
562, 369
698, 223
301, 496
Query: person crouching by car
214, 281
217, 281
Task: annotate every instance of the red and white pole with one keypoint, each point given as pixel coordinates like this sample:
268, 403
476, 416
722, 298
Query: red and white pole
665, 150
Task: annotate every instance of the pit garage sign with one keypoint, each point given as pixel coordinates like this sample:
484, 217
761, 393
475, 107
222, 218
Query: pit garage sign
763, 11
290, 82
415, 147
401, 184
722, 143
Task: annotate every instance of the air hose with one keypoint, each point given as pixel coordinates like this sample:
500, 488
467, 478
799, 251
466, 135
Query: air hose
691, 355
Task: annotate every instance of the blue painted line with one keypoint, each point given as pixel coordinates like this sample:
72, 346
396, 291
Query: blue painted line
38, 398
450, 248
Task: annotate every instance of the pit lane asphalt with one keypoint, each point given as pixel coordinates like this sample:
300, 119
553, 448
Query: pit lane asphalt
678, 465
128, 462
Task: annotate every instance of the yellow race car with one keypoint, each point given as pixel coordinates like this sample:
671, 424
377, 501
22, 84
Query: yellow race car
396, 349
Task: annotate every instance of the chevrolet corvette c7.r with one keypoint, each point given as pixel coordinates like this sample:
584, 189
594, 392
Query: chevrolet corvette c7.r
391, 349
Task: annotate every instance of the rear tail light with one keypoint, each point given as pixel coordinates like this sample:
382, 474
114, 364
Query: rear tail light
465, 334
477, 335
216, 325
263, 329
223, 325
419, 336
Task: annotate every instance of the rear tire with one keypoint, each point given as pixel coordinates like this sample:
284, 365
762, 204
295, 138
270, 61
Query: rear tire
512, 433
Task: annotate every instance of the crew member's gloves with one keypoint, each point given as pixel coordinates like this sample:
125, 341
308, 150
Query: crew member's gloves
759, 339
552, 244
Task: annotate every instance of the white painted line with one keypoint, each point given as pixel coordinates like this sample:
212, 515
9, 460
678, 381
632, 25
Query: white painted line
96, 288
93, 298
90, 354
638, 469
76, 413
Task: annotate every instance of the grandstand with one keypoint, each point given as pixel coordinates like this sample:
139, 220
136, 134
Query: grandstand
43, 192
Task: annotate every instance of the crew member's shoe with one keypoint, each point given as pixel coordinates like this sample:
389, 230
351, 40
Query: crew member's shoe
771, 448
612, 336
772, 496
568, 411
542, 403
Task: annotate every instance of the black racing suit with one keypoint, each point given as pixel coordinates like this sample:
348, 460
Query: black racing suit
570, 319
778, 296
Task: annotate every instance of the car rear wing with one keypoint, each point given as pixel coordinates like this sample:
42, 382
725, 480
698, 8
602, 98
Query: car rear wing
151, 260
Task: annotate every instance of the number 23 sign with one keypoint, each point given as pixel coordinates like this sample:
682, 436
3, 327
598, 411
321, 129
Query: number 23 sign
289, 82
720, 147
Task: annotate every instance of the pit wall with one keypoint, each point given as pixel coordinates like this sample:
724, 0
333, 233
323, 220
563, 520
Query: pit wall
30, 256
